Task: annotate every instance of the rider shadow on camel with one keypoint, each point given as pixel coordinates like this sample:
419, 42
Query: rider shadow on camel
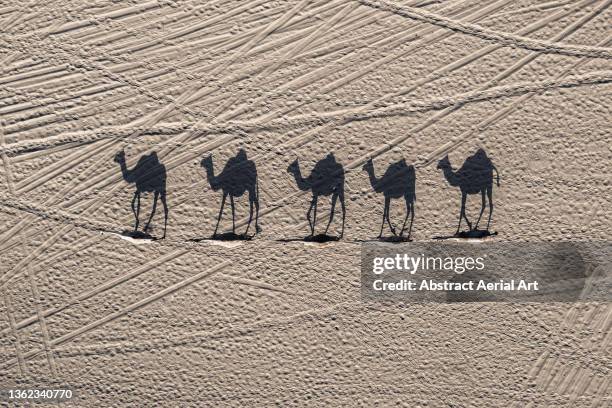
398, 181
148, 176
239, 176
474, 177
325, 179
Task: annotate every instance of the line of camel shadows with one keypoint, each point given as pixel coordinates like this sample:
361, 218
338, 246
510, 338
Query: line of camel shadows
239, 176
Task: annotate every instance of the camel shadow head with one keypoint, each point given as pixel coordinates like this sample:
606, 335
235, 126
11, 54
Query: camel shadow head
293, 166
120, 156
207, 161
444, 163
368, 165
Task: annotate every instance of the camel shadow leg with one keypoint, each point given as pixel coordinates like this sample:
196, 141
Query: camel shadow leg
313, 204
155, 197
411, 219
233, 214
388, 206
465, 215
490, 196
165, 204
384, 217
482, 208
462, 213
332, 211
314, 217
409, 211
343, 208
136, 209
220, 214
253, 201
250, 216
256, 202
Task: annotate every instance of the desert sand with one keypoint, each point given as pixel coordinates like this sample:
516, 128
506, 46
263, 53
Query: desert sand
192, 321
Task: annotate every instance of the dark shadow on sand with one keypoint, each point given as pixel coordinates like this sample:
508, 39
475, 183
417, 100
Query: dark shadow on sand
138, 235
319, 238
395, 239
473, 234
226, 236
390, 239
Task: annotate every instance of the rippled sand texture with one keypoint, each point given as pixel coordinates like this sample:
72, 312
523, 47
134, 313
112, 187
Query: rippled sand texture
188, 321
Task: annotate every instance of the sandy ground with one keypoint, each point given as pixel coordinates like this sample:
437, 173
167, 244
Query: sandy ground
187, 321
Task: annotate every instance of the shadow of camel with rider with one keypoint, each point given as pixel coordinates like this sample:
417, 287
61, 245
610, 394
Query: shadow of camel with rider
474, 177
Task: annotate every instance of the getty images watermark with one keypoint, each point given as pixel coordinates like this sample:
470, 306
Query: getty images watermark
486, 272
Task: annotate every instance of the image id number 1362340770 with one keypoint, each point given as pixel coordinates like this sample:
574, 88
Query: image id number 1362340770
48, 394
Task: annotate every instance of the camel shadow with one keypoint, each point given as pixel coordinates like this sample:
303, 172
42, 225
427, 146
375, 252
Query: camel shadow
239, 176
325, 179
399, 181
474, 177
149, 176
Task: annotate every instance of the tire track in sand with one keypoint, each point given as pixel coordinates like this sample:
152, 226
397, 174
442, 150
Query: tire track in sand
116, 315
490, 35
381, 109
